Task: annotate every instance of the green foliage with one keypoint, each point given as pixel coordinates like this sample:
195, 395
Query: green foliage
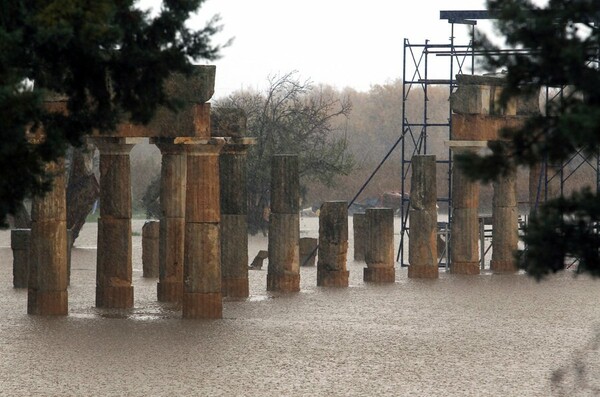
292, 117
108, 59
562, 39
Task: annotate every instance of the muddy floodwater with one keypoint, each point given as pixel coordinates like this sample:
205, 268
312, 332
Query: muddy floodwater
486, 335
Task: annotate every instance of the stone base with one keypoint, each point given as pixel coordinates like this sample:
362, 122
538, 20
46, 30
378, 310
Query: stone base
332, 278
198, 305
114, 297
379, 275
283, 282
235, 287
468, 268
169, 292
503, 266
47, 303
423, 271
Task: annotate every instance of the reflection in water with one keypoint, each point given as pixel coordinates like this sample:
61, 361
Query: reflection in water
481, 335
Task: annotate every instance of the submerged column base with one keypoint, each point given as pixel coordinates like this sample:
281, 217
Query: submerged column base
114, 297
503, 266
169, 291
198, 305
235, 287
332, 278
47, 303
283, 282
423, 271
379, 275
467, 268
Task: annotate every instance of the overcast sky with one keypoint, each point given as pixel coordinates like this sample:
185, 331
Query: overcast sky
344, 43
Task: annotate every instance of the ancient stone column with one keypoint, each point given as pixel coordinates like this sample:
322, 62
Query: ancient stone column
47, 293
422, 243
150, 249
173, 176
360, 236
234, 218
114, 269
308, 247
284, 225
333, 245
464, 224
19, 242
505, 232
202, 297
379, 250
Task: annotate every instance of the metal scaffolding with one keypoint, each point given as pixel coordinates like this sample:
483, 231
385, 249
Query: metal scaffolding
420, 63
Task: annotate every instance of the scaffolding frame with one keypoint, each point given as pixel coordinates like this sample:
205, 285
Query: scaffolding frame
460, 59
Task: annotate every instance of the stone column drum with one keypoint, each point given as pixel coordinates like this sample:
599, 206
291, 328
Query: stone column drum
360, 236
234, 218
114, 267
422, 243
379, 250
47, 293
333, 245
505, 235
150, 242
464, 244
284, 225
202, 297
173, 175
19, 242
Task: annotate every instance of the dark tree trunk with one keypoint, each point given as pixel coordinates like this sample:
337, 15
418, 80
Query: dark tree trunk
82, 191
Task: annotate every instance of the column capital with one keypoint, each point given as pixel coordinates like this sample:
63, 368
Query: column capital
202, 147
168, 146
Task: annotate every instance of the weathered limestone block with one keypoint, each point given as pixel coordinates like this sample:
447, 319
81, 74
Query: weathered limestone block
284, 260
477, 127
47, 279
202, 260
359, 224
171, 258
333, 245
233, 169
422, 250
284, 225
285, 184
308, 251
173, 175
505, 239
150, 248
234, 255
379, 252
505, 224
464, 254
203, 186
114, 265
202, 251
481, 95
20, 242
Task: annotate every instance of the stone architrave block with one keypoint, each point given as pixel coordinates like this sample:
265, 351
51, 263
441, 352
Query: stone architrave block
476, 127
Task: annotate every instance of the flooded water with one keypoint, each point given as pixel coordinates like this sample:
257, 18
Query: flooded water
487, 335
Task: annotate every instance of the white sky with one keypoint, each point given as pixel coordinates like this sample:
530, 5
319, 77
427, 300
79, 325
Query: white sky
344, 43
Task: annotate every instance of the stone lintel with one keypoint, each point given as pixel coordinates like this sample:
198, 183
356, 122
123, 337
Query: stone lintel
478, 127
